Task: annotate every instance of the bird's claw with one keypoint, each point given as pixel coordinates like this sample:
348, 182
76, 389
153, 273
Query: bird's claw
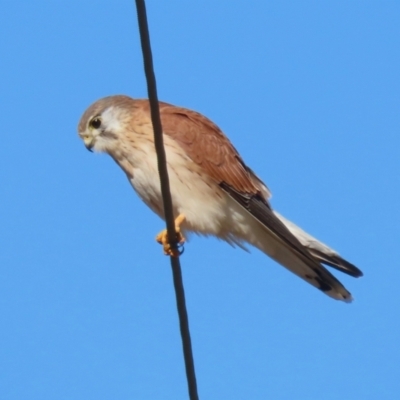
162, 238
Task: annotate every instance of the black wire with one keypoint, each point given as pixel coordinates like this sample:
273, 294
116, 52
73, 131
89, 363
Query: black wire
167, 200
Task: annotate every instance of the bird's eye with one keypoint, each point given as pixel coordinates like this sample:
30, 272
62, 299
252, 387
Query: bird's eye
95, 123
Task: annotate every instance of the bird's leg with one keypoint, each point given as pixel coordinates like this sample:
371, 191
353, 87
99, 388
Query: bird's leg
162, 237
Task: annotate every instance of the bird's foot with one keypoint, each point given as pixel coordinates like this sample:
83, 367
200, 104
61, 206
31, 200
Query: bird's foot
162, 238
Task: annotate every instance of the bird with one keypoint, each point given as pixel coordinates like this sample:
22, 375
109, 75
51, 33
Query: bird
214, 192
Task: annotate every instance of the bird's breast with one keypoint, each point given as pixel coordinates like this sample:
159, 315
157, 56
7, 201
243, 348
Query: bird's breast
193, 191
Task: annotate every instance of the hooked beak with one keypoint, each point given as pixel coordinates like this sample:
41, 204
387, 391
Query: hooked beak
89, 142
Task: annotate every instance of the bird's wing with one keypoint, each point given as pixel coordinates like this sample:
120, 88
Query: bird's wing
208, 147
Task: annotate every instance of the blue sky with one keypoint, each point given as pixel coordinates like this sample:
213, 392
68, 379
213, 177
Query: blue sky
308, 92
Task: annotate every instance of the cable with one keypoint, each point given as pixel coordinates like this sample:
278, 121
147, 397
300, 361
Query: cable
167, 200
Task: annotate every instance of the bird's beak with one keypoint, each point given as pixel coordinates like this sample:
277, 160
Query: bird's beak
89, 142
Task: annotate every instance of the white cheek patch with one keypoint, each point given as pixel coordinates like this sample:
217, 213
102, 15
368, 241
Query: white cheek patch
100, 145
111, 119
111, 122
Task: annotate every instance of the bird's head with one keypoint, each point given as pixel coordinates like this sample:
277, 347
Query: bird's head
104, 122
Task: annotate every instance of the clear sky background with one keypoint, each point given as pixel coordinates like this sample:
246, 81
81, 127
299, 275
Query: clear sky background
308, 92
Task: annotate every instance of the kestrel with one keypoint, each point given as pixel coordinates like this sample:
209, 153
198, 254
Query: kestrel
213, 191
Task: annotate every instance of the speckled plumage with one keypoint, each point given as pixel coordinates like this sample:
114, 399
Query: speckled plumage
210, 184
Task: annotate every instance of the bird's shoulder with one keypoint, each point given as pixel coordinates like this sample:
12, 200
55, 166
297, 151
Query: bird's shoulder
206, 144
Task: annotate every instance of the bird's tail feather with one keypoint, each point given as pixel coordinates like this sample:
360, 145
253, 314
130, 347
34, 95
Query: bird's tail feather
311, 271
320, 251
288, 245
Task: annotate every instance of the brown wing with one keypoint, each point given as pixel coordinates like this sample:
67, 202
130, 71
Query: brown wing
208, 147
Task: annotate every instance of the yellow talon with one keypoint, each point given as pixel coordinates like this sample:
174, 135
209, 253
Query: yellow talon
162, 238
